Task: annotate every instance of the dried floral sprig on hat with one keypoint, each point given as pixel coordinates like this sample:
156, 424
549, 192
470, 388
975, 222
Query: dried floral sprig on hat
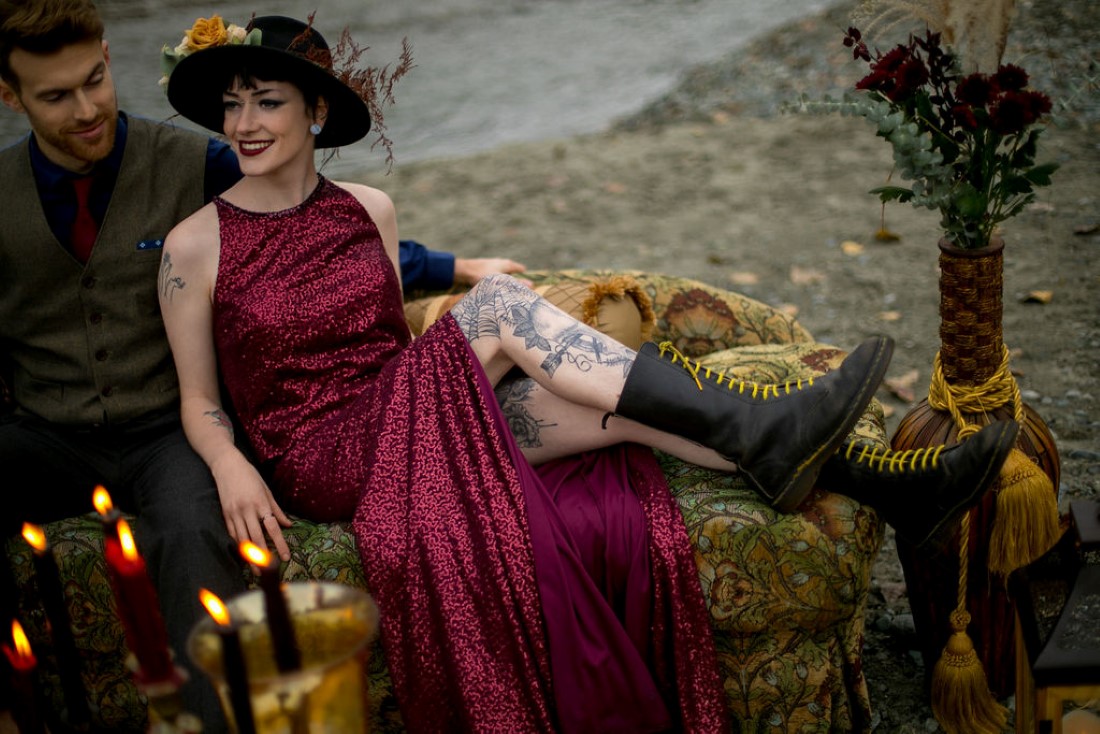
373, 85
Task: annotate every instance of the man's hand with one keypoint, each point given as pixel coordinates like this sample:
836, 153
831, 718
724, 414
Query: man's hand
468, 271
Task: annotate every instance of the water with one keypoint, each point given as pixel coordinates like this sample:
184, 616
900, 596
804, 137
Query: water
488, 72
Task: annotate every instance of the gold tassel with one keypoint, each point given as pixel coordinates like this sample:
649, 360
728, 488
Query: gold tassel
961, 700
1026, 522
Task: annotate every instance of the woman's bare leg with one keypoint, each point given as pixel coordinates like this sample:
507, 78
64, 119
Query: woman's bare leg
509, 325
548, 427
576, 375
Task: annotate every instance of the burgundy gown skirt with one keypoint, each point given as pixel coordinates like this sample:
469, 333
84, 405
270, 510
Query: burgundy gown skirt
559, 599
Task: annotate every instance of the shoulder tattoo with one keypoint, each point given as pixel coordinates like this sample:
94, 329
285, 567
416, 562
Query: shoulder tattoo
167, 283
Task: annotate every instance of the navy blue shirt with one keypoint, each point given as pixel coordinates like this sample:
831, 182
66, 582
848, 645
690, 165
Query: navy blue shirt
421, 268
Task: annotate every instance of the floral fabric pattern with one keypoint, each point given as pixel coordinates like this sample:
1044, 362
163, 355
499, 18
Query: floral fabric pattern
786, 592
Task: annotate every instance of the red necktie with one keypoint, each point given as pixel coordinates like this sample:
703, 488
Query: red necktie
84, 227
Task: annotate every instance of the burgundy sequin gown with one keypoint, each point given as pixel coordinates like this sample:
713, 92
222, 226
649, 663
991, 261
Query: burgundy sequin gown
511, 602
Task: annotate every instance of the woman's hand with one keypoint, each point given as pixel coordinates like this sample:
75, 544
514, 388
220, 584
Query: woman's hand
249, 508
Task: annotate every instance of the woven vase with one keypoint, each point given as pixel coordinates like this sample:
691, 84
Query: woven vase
971, 351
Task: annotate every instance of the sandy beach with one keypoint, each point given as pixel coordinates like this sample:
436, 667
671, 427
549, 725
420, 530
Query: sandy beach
715, 183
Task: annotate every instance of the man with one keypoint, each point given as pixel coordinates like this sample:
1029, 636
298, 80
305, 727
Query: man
91, 377
87, 199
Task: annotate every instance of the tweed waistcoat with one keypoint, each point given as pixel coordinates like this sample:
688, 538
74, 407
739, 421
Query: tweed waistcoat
85, 344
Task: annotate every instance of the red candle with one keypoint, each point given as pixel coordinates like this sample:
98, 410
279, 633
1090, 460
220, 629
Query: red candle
52, 594
283, 640
137, 607
233, 665
23, 663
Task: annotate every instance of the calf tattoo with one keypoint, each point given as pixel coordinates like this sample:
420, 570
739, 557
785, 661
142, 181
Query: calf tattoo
544, 328
513, 397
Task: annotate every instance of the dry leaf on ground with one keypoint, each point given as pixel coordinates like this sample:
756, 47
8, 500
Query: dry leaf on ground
806, 276
1038, 297
902, 385
743, 277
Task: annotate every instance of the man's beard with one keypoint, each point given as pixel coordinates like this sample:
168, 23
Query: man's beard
85, 151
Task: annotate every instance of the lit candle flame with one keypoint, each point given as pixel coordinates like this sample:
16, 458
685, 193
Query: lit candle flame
126, 539
19, 637
214, 606
35, 536
255, 554
102, 500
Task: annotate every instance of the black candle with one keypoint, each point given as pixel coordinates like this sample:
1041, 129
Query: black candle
52, 594
107, 512
233, 665
287, 655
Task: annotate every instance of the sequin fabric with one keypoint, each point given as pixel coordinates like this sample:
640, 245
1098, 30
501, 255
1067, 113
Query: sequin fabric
510, 602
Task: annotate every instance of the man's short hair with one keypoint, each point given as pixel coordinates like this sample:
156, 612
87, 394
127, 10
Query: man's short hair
43, 27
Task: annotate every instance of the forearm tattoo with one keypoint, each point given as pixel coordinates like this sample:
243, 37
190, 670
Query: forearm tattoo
486, 310
513, 397
219, 418
166, 282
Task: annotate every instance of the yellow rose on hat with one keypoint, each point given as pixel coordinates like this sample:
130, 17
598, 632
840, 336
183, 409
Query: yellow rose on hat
206, 32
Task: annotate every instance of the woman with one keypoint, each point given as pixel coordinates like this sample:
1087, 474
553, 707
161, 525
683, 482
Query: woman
505, 605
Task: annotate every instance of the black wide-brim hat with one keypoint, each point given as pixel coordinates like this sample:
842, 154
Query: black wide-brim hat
288, 48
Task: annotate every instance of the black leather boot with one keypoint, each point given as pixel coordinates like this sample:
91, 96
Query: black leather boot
779, 435
919, 491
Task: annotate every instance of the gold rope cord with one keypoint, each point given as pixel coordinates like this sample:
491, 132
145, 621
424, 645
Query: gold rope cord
1000, 389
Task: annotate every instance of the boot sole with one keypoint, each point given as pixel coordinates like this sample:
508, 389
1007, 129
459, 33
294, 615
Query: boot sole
992, 471
801, 483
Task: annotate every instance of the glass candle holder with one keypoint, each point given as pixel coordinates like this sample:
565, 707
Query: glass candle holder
334, 625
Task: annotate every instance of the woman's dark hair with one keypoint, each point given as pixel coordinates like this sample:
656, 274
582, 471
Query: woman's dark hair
272, 72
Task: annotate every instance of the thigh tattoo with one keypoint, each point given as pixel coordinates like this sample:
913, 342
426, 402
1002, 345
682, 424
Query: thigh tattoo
543, 328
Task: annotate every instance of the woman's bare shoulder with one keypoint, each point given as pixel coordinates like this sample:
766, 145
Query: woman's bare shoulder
371, 198
195, 236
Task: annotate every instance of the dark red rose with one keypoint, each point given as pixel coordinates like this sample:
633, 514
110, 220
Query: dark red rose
884, 72
964, 117
976, 90
893, 59
910, 77
1039, 102
1009, 114
1010, 78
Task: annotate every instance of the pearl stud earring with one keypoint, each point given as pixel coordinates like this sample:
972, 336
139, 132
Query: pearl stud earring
315, 129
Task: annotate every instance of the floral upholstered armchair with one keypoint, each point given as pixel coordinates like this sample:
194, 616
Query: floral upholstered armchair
786, 592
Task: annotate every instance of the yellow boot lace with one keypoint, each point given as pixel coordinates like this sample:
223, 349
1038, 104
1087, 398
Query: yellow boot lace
888, 460
758, 390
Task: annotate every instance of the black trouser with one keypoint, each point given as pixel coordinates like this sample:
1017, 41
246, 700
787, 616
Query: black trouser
48, 472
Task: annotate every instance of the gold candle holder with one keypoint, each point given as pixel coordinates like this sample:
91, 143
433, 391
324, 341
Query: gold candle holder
334, 625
